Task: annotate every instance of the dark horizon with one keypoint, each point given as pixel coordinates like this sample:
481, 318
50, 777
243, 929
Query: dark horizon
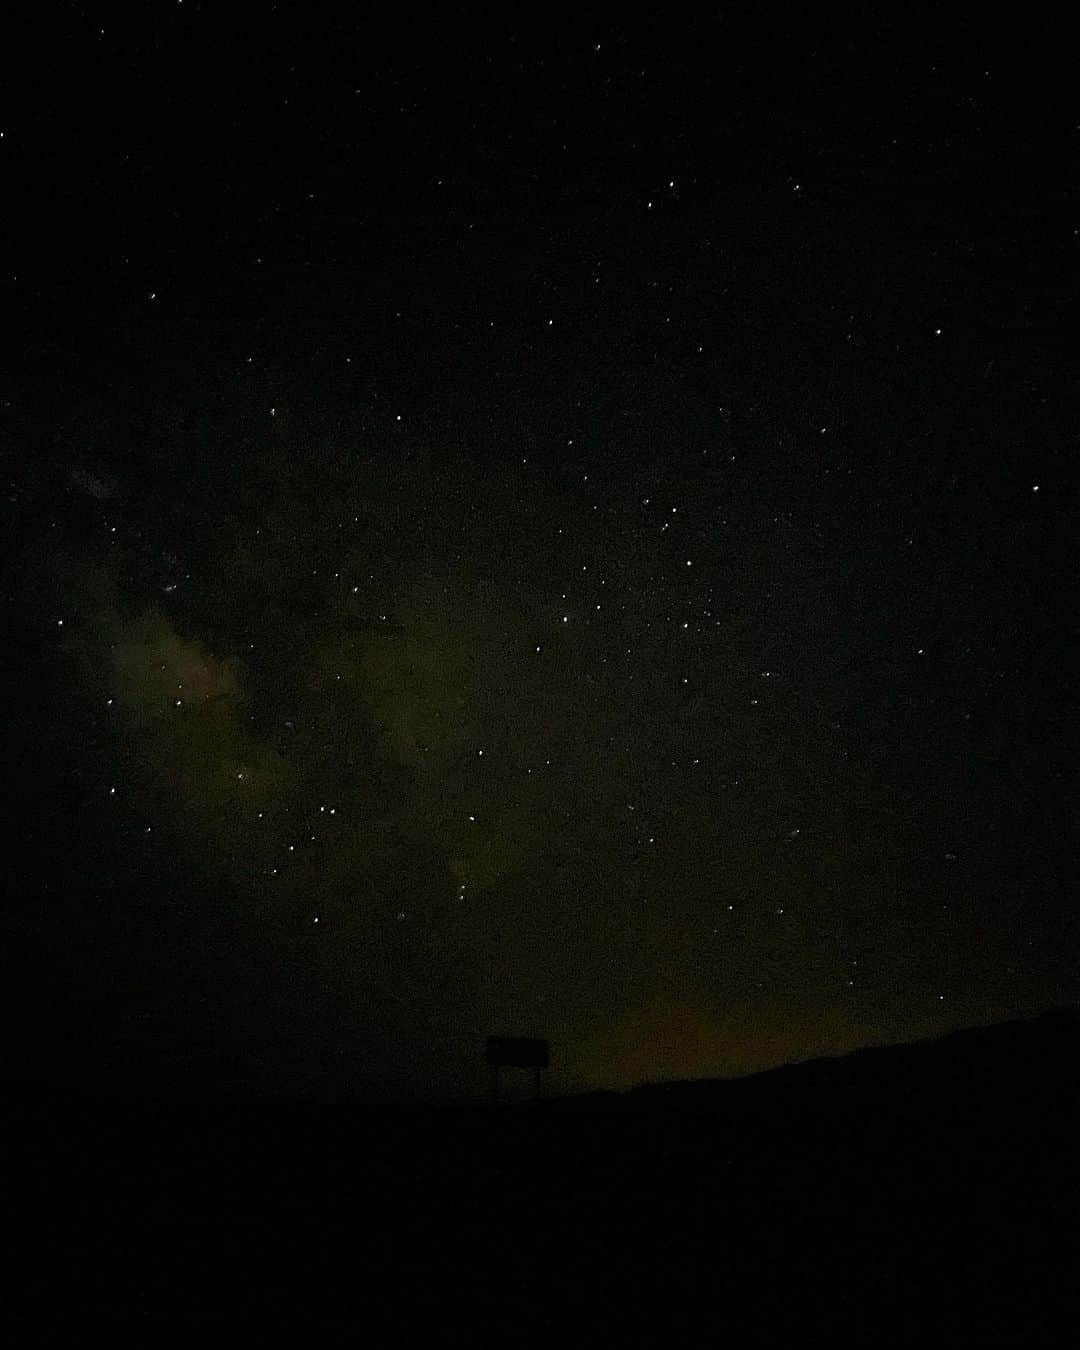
1039, 1048
533, 529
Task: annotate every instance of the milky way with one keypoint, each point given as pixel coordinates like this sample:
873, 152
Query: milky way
603, 584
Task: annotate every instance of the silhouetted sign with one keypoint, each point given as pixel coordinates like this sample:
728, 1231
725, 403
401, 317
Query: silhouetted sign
518, 1052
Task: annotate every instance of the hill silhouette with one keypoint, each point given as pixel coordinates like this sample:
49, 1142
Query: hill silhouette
908, 1193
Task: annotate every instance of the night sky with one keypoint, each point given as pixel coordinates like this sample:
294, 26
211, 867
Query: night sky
552, 526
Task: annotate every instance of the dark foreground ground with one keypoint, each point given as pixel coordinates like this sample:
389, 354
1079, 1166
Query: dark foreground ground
917, 1195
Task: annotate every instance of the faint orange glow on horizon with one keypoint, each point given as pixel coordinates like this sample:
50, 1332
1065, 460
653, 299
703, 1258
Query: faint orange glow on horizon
666, 1041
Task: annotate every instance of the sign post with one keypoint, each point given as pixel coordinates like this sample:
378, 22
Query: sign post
517, 1052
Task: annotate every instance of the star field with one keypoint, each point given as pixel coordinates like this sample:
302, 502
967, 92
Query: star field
552, 535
